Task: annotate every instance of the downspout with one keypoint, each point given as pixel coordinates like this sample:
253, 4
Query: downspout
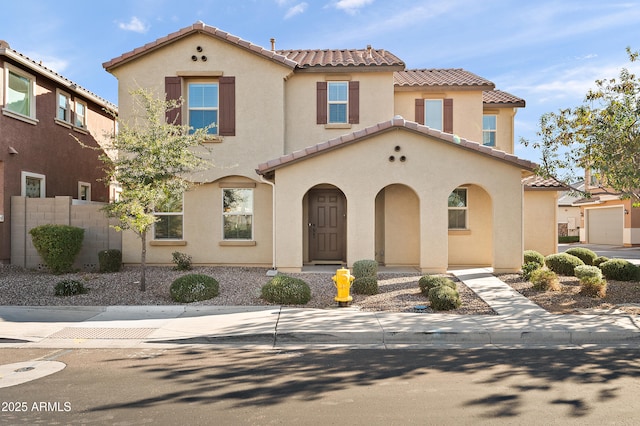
274, 270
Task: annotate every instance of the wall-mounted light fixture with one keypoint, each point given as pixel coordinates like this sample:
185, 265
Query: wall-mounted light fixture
626, 211
13, 151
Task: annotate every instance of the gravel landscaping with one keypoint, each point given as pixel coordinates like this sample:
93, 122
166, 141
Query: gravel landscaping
238, 287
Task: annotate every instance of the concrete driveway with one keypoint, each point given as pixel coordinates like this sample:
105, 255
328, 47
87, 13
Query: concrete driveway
632, 254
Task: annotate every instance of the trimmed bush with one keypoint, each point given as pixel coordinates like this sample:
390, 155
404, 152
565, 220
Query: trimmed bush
427, 282
586, 271
545, 280
533, 256
583, 253
286, 290
620, 270
58, 245
569, 239
444, 298
528, 268
69, 288
194, 288
110, 260
593, 287
365, 285
562, 263
182, 261
600, 260
365, 268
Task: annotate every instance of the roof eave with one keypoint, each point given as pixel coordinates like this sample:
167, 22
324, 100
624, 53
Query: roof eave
441, 87
341, 68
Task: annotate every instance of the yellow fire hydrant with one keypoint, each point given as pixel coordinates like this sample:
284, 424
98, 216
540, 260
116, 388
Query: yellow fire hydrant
342, 280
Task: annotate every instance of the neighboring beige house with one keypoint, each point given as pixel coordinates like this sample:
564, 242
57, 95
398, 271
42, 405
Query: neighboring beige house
332, 156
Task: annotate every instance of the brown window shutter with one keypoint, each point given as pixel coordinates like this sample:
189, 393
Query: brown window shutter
420, 111
227, 119
321, 102
173, 91
354, 102
447, 116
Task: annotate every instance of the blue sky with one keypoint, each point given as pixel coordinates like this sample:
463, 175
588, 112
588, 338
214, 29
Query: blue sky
548, 52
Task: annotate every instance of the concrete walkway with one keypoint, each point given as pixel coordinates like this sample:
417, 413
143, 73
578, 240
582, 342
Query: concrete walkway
519, 323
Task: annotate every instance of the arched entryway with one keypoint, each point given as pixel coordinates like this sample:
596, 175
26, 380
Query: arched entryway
397, 239
325, 210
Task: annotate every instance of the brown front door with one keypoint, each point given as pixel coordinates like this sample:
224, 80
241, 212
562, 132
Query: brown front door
327, 219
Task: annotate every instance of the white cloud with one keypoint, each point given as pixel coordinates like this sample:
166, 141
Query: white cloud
296, 10
135, 25
55, 64
352, 6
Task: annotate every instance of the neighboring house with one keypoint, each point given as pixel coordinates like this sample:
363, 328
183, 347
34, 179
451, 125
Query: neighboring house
569, 219
40, 110
356, 158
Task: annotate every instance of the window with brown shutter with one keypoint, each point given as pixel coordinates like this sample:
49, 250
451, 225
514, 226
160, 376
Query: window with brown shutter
439, 112
173, 91
227, 106
354, 102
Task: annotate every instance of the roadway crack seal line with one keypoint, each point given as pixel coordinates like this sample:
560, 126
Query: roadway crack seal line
275, 331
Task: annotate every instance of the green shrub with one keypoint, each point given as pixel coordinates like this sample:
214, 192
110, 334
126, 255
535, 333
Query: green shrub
286, 290
69, 288
193, 288
600, 260
544, 279
533, 256
584, 254
182, 261
110, 260
427, 282
444, 298
569, 239
620, 270
587, 271
365, 268
562, 263
593, 287
58, 245
528, 268
365, 285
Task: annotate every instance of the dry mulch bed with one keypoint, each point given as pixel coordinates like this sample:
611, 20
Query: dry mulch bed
622, 296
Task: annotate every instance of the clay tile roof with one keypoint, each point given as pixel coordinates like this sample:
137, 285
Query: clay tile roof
201, 28
396, 122
499, 98
439, 77
538, 182
342, 58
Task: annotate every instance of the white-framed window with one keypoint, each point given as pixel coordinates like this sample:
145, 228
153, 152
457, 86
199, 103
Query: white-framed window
80, 114
33, 185
203, 102
84, 191
338, 101
237, 213
169, 225
63, 106
489, 128
458, 209
433, 113
19, 93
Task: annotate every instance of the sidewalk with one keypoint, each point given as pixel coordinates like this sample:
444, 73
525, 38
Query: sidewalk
519, 322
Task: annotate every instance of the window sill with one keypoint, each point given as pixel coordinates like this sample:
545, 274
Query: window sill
459, 231
62, 123
82, 130
213, 139
20, 117
167, 243
337, 126
237, 243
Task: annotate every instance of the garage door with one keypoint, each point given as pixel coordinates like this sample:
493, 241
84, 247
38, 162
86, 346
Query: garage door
605, 225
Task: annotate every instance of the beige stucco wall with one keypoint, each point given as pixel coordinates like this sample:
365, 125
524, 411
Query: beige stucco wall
474, 246
504, 127
432, 170
259, 86
466, 104
401, 226
376, 105
565, 213
540, 221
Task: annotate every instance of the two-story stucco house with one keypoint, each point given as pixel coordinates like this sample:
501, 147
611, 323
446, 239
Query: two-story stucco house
332, 156
39, 111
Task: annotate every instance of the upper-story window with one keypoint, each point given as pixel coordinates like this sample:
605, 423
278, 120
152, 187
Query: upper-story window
433, 113
80, 114
19, 92
203, 106
63, 108
338, 101
489, 127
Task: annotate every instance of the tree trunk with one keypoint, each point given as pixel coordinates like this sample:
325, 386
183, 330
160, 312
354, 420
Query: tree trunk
143, 262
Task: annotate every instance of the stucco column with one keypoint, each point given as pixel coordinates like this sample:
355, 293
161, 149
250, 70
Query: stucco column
507, 230
361, 228
434, 237
288, 229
